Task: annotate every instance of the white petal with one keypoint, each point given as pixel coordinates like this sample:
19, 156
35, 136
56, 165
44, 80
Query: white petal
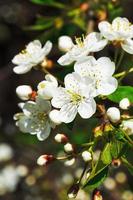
43, 105
87, 108
65, 43
54, 115
51, 79
68, 112
72, 82
95, 42
43, 134
106, 30
33, 47
128, 46
106, 66
22, 69
108, 86
65, 59
47, 48
84, 65
60, 98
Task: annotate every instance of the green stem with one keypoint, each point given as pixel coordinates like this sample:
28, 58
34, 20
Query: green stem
120, 59
83, 172
116, 55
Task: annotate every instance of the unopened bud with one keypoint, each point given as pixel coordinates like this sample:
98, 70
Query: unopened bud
24, 92
69, 162
116, 163
113, 114
124, 104
73, 191
86, 155
68, 148
45, 159
65, 43
61, 138
98, 131
97, 195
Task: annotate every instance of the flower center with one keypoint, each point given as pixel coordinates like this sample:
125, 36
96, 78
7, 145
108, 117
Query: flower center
80, 41
75, 98
41, 116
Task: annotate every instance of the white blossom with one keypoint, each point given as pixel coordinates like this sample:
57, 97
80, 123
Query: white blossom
127, 125
47, 87
35, 118
120, 31
124, 103
113, 114
24, 92
99, 72
65, 43
74, 98
69, 162
31, 56
92, 43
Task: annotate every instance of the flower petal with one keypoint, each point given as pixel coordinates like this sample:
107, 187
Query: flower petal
95, 42
128, 46
87, 108
44, 133
47, 48
43, 105
106, 66
106, 30
108, 86
68, 112
22, 69
65, 59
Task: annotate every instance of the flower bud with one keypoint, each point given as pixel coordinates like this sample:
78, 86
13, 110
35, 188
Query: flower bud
65, 43
97, 195
69, 162
68, 148
86, 155
61, 138
73, 191
44, 159
116, 163
113, 114
24, 92
124, 104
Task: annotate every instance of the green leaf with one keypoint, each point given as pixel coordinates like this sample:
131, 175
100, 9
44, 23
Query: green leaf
122, 92
106, 154
49, 3
97, 179
117, 149
128, 165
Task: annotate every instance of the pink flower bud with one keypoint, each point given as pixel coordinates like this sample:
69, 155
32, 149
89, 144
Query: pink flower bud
61, 138
45, 159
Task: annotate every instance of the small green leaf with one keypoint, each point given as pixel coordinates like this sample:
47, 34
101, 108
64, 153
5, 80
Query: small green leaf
128, 165
106, 154
97, 179
117, 149
122, 92
49, 3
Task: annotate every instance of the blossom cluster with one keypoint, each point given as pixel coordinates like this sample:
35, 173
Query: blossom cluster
52, 103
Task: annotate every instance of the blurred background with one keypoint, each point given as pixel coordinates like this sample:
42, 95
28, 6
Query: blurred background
20, 23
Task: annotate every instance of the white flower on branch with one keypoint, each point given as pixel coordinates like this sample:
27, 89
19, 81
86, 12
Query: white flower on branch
92, 43
35, 118
75, 98
120, 31
99, 72
113, 114
31, 56
47, 87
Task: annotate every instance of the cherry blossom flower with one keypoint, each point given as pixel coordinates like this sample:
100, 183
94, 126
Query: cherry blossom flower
92, 43
120, 31
74, 98
35, 118
31, 56
47, 87
99, 72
